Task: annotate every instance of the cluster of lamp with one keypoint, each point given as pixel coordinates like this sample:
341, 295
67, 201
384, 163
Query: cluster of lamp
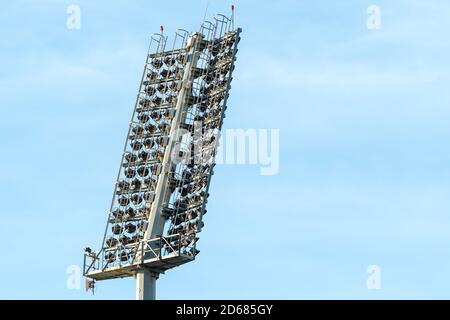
163, 82
135, 188
191, 183
165, 66
146, 148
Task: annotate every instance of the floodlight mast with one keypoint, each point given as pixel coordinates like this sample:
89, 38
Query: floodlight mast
162, 186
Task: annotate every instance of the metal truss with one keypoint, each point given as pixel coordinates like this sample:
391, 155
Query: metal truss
162, 186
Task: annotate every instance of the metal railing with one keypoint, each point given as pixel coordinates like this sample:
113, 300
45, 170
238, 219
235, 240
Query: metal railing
153, 250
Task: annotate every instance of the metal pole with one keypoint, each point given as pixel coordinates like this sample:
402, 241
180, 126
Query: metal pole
146, 284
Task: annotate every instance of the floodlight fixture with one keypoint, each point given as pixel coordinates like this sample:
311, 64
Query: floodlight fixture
162, 185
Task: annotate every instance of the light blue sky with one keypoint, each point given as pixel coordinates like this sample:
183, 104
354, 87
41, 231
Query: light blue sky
364, 151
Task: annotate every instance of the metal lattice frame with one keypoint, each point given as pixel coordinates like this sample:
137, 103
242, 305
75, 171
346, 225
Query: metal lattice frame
162, 185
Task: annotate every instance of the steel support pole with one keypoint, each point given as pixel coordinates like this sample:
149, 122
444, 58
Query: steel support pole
146, 284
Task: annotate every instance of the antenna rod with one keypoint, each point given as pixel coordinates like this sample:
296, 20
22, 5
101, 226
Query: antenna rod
232, 17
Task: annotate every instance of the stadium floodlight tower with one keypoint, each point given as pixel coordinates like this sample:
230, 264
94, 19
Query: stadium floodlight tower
162, 186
